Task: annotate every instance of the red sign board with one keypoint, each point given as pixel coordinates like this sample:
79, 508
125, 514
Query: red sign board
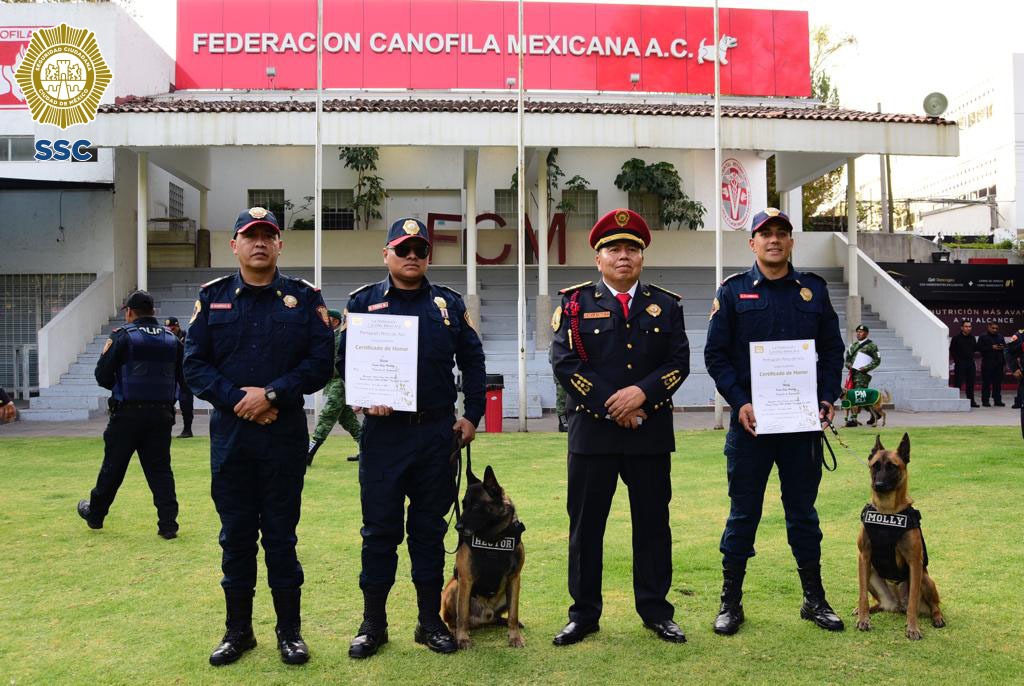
14, 42
473, 44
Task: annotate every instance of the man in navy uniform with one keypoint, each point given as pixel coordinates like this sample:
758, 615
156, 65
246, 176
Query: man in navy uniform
258, 341
772, 302
406, 454
184, 394
620, 350
1015, 362
141, 365
991, 346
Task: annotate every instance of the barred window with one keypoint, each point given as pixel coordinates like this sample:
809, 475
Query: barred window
584, 214
270, 199
648, 206
337, 212
506, 204
175, 200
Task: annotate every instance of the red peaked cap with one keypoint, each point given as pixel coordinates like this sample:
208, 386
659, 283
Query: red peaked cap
620, 225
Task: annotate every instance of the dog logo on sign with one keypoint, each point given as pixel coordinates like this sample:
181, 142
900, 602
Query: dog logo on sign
735, 194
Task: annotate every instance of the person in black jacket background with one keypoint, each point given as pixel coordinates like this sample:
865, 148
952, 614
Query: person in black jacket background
962, 348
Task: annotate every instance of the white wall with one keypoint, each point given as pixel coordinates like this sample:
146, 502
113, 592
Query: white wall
123, 227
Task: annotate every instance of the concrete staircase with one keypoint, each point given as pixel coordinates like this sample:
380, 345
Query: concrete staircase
175, 290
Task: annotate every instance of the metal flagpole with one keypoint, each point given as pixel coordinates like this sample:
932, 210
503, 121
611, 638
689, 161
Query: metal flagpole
520, 251
318, 180
718, 193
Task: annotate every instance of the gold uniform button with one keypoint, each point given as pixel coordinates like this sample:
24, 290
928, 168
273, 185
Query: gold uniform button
629, 346
627, 325
629, 366
657, 330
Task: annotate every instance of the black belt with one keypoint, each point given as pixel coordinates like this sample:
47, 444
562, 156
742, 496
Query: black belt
420, 417
131, 405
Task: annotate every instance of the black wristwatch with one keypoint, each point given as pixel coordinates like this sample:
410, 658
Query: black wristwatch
270, 394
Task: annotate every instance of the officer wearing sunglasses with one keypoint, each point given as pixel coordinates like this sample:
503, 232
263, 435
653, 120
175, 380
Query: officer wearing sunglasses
405, 454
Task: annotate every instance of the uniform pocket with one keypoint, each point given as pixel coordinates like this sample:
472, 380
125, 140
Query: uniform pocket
440, 336
809, 317
753, 319
224, 331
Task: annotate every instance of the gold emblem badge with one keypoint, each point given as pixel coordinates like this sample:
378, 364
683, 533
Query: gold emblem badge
772, 212
106, 346
344, 320
556, 319
469, 320
324, 315
257, 212
411, 227
290, 301
63, 76
715, 306
653, 310
622, 217
195, 311
806, 294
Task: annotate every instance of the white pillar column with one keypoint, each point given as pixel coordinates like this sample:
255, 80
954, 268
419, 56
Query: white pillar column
853, 300
795, 202
469, 169
142, 214
542, 335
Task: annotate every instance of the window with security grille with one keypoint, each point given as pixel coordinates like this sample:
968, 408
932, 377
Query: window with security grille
648, 206
337, 212
175, 200
269, 199
17, 148
584, 212
506, 205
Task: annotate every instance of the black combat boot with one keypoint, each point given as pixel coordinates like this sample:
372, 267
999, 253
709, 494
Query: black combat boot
373, 632
730, 614
314, 445
815, 607
430, 630
294, 650
239, 637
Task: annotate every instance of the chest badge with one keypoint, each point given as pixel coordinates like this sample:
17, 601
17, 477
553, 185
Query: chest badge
653, 310
442, 305
325, 317
715, 306
290, 301
806, 294
195, 311
556, 319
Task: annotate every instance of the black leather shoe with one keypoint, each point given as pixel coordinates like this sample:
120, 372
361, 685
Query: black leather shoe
667, 630
985, 404
1000, 404
367, 642
730, 617
730, 612
574, 632
186, 433
167, 535
294, 650
232, 647
437, 638
822, 614
85, 512
352, 458
974, 404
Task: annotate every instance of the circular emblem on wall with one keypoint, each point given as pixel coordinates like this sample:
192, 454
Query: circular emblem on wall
735, 194
63, 76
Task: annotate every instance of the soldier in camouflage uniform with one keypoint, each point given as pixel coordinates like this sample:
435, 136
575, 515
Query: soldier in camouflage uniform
861, 377
335, 410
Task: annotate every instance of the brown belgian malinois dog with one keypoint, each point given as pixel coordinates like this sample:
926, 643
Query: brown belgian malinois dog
893, 564
488, 563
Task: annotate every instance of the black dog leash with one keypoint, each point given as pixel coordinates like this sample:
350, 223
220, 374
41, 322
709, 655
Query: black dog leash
824, 440
455, 459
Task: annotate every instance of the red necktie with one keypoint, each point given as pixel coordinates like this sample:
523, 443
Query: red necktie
624, 299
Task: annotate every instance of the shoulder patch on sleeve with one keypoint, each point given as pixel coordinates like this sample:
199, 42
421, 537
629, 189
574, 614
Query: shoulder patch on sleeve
210, 283
449, 288
361, 289
732, 276
296, 279
665, 291
576, 287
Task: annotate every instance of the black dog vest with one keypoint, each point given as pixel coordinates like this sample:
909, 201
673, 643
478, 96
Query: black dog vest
494, 560
884, 531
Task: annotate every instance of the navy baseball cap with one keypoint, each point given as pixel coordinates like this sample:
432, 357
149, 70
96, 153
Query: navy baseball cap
406, 228
769, 214
138, 300
171, 321
255, 216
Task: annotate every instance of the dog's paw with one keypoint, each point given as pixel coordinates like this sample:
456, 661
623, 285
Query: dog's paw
516, 641
464, 642
864, 625
913, 633
938, 622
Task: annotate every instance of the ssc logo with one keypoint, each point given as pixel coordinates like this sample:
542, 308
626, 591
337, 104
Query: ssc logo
63, 76
735, 194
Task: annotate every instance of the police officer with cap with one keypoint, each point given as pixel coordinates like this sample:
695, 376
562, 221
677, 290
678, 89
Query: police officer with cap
258, 341
772, 301
620, 350
141, 365
1015, 362
406, 454
184, 394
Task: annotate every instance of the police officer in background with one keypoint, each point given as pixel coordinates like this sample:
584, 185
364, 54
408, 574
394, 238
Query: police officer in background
184, 394
991, 344
772, 302
406, 454
1015, 361
962, 348
620, 350
258, 341
7, 409
141, 365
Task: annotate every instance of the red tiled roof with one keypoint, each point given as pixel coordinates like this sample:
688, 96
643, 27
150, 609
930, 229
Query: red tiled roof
134, 105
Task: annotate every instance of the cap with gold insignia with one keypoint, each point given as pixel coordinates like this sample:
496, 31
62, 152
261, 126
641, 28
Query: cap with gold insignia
620, 225
256, 216
770, 215
406, 228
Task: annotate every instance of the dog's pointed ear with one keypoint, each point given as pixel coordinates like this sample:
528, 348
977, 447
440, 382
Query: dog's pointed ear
904, 450
878, 444
471, 478
490, 482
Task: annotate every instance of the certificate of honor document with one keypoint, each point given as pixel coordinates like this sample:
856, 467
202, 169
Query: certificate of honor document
381, 360
861, 360
784, 386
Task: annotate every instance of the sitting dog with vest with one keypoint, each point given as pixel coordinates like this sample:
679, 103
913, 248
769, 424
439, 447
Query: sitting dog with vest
893, 563
488, 563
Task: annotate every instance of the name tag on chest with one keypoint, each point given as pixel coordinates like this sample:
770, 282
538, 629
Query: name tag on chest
506, 544
597, 315
750, 296
220, 306
894, 520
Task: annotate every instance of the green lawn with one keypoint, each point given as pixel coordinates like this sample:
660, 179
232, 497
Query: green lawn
122, 606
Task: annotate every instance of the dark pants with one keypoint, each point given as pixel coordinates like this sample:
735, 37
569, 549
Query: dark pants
398, 461
749, 461
592, 482
259, 500
148, 432
964, 374
992, 381
185, 405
